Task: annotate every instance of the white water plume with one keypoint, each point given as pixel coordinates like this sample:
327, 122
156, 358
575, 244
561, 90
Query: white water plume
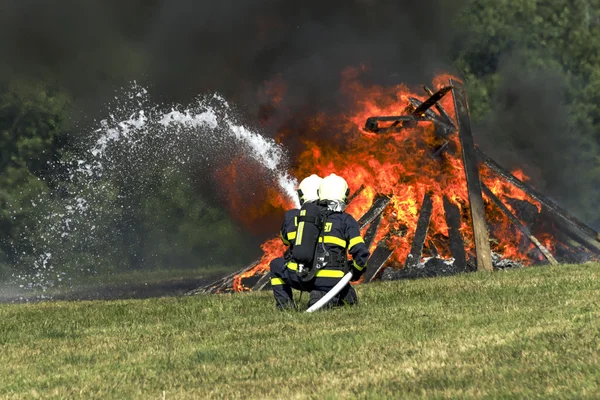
209, 121
135, 137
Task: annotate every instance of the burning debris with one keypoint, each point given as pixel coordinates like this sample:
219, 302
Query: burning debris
427, 200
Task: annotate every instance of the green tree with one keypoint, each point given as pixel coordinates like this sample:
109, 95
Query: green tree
526, 63
32, 126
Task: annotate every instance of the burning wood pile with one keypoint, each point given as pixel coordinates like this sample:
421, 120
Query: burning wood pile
428, 201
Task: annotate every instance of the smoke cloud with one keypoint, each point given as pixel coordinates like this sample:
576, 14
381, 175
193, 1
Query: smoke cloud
186, 47
528, 128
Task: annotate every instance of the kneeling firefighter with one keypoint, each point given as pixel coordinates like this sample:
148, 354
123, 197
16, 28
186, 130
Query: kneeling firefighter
318, 259
308, 192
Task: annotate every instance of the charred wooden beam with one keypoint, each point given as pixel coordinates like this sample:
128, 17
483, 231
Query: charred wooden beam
225, 281
417, 115
445, 116
377, 260
398, 123
356, 193
416, 103
432, 100
262, 282
420, 232
482, 244
576, 234
441, 149
442, 127
372, 230
379, 204
457, 245
550, 205
432, 249
524, 230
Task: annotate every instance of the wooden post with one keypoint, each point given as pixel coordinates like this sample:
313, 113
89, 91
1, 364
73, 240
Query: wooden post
480, 232
524, 230
416, 248
457, 245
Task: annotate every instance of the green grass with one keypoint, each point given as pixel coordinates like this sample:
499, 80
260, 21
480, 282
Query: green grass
521, 333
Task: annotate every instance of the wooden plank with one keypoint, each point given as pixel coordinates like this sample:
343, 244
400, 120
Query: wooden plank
413, 258
576, 236
356, 193
550, 205
457, 245
379, 204
482, 244
376, 262
433, 117
372, 230
262, 282
441, 109
524, 230
432, 100
432, 249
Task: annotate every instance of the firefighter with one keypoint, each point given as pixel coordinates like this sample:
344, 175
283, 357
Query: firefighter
338, 234
307, 193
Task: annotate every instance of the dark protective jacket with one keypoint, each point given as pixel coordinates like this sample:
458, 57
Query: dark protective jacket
341, 235
289, 228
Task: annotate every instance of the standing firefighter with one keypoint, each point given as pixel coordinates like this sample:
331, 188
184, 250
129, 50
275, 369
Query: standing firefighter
318, 261
307, 193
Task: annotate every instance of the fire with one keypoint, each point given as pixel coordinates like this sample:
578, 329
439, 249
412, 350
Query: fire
400, 165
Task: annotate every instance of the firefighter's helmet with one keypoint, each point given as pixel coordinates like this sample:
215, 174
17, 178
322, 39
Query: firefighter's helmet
308, 190
334, 188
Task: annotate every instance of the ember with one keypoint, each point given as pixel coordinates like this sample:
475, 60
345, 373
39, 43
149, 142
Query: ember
405, 157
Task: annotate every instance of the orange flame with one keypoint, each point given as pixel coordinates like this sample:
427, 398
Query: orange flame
400, 165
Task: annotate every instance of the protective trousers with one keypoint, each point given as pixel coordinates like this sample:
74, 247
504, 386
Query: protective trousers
283, 280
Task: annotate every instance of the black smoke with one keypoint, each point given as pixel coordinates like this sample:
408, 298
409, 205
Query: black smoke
186, 47
529, 127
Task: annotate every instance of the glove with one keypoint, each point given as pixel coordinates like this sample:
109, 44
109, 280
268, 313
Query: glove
356, 274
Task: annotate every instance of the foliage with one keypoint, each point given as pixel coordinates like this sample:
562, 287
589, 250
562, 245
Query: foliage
32, 127
538, 63
520, 333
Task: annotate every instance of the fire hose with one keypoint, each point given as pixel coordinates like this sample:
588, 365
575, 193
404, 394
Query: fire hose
331, 294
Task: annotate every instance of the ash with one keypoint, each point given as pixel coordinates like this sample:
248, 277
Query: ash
433, 266
500, 262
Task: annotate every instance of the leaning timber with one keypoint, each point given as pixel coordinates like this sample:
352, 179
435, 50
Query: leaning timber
524, 230
586, 235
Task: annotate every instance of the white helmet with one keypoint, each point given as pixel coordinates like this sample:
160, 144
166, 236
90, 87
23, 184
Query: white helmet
308, 190
334, 188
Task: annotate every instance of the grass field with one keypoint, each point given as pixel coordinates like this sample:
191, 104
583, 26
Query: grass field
520, 333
